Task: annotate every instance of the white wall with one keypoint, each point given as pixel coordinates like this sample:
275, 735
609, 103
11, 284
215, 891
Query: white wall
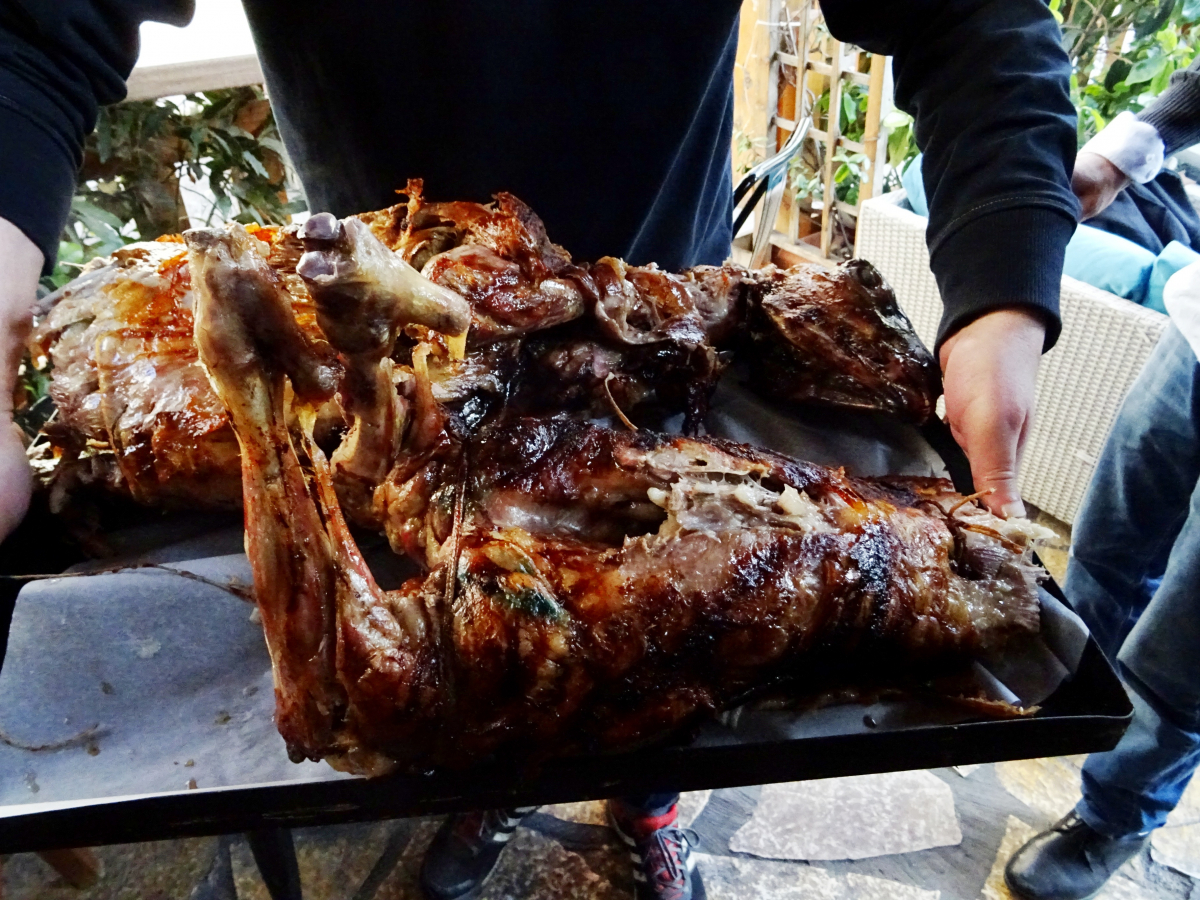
219, 29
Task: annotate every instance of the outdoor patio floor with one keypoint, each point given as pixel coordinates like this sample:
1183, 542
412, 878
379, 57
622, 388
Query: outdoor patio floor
942, 834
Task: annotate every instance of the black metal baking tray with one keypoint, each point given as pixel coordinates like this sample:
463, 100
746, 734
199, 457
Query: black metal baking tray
1087, 713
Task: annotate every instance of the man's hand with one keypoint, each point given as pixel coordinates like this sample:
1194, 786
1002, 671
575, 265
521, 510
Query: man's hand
1096, 182
989, 369
20, 265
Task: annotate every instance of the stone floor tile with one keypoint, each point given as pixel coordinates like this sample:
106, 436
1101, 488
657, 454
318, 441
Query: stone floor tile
585, 812
333, 861
533, 867
728, 878
1133, 883
851, 818
1177, 847
966, 771
1049, 787
161, 870
691, 804
1016, 833
537, 868
1188, 810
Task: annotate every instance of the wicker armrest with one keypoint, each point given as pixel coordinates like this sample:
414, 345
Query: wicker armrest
1105, 342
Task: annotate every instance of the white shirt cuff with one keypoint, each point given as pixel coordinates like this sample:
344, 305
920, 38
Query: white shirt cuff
1133, 146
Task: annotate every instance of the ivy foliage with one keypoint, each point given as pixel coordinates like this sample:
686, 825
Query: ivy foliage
144, 154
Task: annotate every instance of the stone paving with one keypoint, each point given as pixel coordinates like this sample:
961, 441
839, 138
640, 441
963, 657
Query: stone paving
942, 834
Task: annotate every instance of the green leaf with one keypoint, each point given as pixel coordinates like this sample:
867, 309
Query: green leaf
849, 107
252, 161
898, 118
1168, 39
92, 214
899, 142
1161, 81
1118, 72
1146, 69
1190, 10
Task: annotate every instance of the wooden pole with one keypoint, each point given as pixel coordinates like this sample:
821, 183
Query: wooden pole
871, 130
832, 134
79, 868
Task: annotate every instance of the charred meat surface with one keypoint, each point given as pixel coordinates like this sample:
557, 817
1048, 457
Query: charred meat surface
135, 413
365, 295
546, 335
587, 588
840, 339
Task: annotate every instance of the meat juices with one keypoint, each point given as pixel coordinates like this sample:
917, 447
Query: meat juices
547, 334
587, 588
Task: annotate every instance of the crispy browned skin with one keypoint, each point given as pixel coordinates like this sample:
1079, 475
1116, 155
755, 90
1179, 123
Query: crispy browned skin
251, 345
587, 587
135, 412
496, 256
838, 338
546, 335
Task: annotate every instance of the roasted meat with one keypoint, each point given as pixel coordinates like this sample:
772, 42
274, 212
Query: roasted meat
586, 588
546, 335
839, 338
135, 413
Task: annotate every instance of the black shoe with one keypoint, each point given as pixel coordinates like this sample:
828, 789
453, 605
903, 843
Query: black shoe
464, 852
1071, 861
661, 854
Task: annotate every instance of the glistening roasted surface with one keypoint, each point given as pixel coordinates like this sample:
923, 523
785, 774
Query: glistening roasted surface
547, 335
587, 587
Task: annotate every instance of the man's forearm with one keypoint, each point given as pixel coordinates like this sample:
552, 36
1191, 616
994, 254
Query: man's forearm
20, 265
1176, 113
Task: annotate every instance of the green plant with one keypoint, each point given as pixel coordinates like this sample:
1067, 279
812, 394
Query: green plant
1123, 55
130, 184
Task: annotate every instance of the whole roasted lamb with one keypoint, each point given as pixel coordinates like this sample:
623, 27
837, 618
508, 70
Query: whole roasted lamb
585, 587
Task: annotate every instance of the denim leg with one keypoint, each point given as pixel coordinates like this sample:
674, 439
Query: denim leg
1138, 497
1141, 520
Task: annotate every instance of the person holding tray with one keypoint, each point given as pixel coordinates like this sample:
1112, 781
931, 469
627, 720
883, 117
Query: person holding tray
614, 121
1134, 572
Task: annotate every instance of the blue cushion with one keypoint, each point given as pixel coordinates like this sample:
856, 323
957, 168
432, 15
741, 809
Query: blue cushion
1174, 257
914, 187
1110, 263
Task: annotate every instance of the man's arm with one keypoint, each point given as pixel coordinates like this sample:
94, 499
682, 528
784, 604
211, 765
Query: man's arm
988, 84
20, 263
1132, 149
58, 62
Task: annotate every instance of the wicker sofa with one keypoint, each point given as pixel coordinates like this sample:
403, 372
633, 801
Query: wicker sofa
1105, 342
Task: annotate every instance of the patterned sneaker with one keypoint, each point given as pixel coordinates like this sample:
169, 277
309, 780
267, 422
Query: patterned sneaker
465, 850
660, 852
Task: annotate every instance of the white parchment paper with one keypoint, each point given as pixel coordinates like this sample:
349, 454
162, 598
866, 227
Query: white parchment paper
169, 679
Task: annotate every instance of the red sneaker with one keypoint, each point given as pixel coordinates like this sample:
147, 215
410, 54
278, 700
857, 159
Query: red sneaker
660, 853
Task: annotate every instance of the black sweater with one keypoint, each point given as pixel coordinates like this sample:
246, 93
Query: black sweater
1176, 113
611, 119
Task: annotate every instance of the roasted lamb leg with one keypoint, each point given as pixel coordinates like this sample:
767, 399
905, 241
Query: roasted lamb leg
590, 588
365, 295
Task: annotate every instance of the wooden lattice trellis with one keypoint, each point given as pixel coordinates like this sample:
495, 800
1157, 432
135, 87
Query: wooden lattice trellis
804, 57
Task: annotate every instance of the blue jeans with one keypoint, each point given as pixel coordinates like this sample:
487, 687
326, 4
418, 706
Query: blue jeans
1134, 577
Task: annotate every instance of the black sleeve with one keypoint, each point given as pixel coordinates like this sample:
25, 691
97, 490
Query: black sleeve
988, 84
58, 62
1176, 113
